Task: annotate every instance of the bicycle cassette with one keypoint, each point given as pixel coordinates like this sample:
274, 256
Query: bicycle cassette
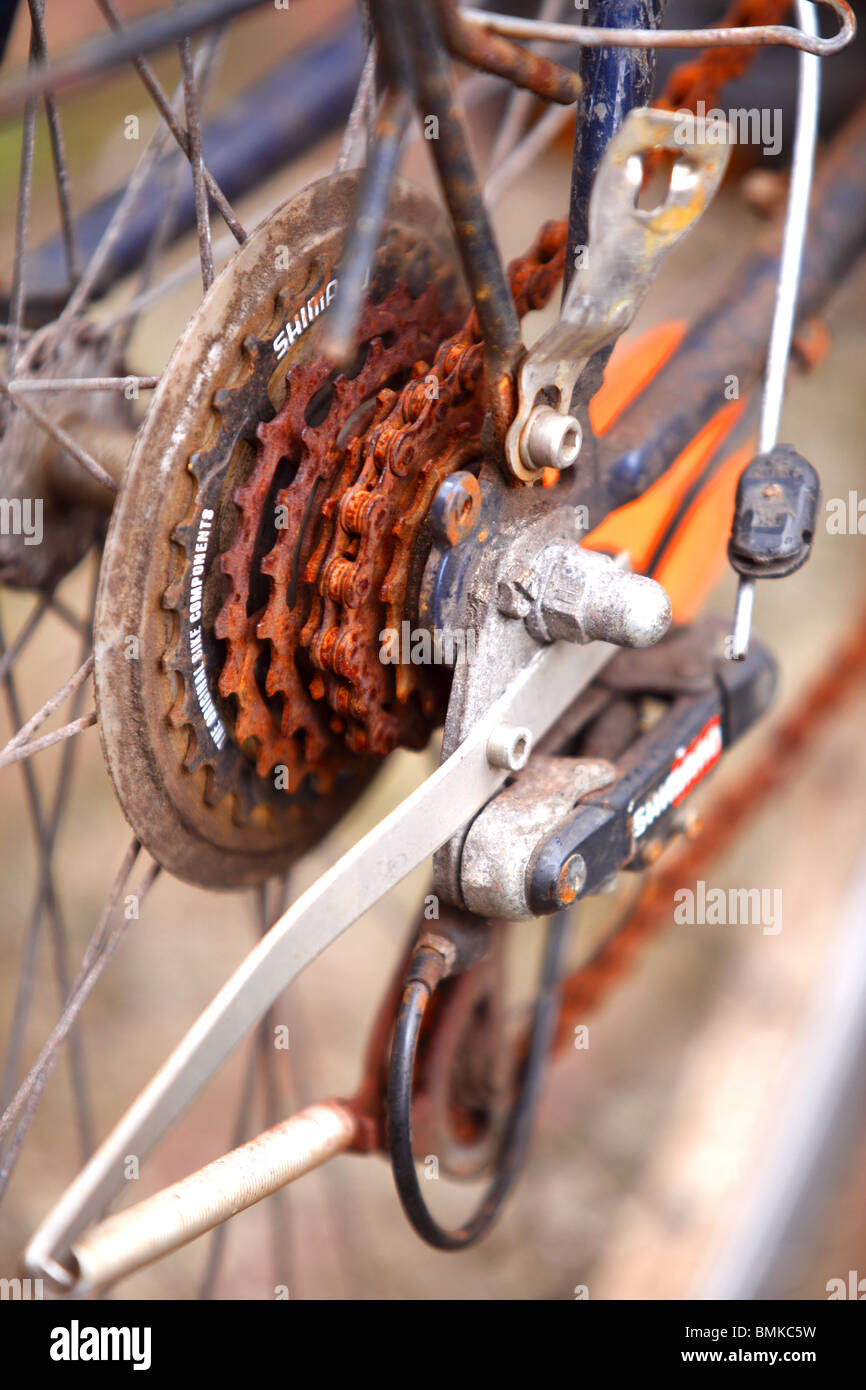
260, 542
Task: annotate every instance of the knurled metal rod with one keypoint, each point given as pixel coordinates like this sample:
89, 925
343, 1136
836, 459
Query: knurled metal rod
753, 35
180, 1213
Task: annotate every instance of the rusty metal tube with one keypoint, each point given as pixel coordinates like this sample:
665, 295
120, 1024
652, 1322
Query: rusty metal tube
178, 1214
488, 51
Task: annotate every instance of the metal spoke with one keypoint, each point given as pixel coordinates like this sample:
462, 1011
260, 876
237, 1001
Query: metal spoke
29, 627
71, 619
260, 1059
22, 218
203, 66
525, 154
58, 433
48, 1054
155, 31
193, 124
84, 383
392, 123
58, 151
183, 137
519, 104
45, 902
133, 191
77, 726
177, 277
360, 116
99, 951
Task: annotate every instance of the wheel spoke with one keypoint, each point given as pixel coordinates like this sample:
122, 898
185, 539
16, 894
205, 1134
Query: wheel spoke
45, 904
99, 951
261, 1059
22, 219
361, 115
193, 125
29, 627
524, 154
183, 137
20, 385
60, 435
58, 149
77, 726
155, 31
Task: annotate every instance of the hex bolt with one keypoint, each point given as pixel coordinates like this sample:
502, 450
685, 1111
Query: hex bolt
586, 597
572, 877
509, 746
550, 439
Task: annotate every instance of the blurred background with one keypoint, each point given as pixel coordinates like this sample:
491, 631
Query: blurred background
722, 1090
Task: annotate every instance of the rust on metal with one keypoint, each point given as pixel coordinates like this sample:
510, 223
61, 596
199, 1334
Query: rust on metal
502, 57
339, 573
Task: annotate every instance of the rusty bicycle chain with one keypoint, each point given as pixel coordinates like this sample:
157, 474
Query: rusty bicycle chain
339, 570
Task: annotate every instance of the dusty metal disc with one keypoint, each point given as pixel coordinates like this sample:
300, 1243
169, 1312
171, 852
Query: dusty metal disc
191, 795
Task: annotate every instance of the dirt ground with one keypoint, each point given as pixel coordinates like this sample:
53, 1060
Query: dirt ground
645, 1177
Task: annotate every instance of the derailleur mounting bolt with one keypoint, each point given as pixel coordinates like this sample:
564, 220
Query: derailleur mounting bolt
550, 439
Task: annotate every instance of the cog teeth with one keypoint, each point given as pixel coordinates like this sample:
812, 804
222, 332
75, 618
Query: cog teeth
198, 464
184, 534
173, 596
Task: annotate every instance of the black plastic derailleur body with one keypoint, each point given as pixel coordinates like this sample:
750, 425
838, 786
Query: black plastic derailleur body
624, 825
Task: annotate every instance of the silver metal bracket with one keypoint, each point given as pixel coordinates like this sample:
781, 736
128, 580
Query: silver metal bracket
627, 244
